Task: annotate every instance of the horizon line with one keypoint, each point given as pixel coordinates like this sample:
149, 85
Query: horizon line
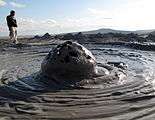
80, 31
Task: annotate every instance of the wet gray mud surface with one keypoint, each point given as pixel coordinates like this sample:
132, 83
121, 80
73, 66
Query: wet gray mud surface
26, 96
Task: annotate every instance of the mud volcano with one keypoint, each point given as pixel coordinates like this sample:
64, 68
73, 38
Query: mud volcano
72, 63
69, 60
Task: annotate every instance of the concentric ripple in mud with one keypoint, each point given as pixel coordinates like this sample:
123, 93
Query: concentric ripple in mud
131, 98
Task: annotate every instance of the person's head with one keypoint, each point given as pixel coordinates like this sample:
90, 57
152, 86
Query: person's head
12, 13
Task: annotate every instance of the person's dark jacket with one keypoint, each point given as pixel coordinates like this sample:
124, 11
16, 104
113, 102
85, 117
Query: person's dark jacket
11, 21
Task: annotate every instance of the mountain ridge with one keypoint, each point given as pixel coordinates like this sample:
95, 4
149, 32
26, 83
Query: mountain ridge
108, 30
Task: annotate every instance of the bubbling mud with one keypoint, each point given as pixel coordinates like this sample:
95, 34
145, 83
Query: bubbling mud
69, 59
71, 63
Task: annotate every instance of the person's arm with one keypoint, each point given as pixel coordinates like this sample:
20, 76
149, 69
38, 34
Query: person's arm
15, 23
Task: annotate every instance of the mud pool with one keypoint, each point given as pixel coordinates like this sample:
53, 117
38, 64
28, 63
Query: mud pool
131, 98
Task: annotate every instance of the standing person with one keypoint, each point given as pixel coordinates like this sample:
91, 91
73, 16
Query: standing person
12, 25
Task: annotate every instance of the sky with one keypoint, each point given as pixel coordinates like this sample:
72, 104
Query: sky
36, 17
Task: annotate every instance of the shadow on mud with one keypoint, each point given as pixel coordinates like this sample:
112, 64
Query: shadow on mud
32, 85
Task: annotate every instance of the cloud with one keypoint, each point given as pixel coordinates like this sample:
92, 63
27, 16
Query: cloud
100, 13
27, 23
137, 14
131, 15
33, 26
2, 3
18, 5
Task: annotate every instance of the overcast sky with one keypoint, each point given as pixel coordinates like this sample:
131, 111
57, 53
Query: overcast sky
59, 16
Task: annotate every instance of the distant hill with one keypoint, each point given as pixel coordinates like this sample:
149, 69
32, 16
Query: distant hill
144, 31
46, 36
104, 31
153, 32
